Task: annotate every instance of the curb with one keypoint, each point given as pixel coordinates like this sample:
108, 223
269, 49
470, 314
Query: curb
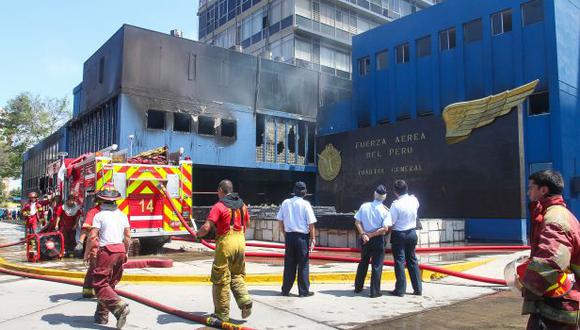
254, 279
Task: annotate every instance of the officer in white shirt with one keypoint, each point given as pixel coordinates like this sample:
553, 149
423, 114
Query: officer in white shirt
297, 220
372, 221
404, 239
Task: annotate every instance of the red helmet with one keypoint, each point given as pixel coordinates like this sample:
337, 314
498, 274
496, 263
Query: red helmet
32, 194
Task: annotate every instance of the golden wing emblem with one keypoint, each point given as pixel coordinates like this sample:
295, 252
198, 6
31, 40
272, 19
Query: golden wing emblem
463, 117
329, 163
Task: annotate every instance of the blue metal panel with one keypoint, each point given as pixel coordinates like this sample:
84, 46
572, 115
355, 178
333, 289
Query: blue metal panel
496, 230
474, 77
502, 57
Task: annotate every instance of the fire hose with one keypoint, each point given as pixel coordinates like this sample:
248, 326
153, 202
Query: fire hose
476, 248
330, 258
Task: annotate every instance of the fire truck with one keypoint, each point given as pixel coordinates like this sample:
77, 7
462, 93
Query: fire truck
151, 218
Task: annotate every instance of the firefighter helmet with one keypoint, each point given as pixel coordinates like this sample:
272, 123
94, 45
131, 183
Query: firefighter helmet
32, 194
109, 193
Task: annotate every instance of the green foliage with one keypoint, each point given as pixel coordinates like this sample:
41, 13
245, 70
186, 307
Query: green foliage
25, 121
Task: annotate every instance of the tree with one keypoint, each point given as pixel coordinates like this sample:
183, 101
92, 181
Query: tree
25, 121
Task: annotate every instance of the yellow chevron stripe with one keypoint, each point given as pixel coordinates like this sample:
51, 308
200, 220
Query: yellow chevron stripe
133, 186
132, 171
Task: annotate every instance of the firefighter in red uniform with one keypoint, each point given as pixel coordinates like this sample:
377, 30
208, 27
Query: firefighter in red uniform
67, 215
551, 296
88, 291
111, 229
33, 213
229, 217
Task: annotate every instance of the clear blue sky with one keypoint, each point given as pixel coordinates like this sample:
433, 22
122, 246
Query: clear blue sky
43, 44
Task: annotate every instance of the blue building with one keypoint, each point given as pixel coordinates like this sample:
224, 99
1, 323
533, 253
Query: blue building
464, 50
237, 116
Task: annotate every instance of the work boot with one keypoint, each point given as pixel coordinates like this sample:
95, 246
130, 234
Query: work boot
101, 314
88, 292
246, 310
121, 313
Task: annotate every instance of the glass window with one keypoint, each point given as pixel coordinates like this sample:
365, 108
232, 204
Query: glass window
402, 52
382, 60
532, 12
327, 57
287, 8
155, 119
447, 39
473, 31
303, 8
362, 25
276, 49
303, 50
538, 103
342, 61
364, 65
501, 22
257, 22
424, 46
287, 48
275, 12
228, 127
247, 28
326, 14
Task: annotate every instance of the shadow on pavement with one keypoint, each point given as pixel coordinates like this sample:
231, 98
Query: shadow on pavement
169, 318
81, 322
345, 293
65, 296
268, 293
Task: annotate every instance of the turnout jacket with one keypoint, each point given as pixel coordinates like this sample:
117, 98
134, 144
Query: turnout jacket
554, 259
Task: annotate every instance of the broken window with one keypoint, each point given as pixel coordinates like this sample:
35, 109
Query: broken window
155, 119
228, 128
205, 125
260, 129
281, 141
310, 146
270, 139
181, 122
292, 128
538, 103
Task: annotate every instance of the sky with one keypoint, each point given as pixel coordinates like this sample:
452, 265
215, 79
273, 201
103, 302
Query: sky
44, 43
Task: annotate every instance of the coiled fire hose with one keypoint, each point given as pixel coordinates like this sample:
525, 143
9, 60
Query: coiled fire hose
331, 258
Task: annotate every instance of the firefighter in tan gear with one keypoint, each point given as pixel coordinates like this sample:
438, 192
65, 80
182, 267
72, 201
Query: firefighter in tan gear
229, 217
551, 296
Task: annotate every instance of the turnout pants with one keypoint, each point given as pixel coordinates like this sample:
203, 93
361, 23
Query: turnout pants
70, 242
296, 257
403, 245
374, 249
106, 275
31, 224
229, 272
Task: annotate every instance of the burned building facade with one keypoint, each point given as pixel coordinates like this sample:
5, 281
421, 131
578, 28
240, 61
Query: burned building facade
237, 116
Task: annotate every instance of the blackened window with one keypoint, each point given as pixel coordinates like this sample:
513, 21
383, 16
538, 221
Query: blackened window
402, 52
538, 103
473, 31
532, 12
228, 127
155, 119
364, 66
447, 39
501, 22
181, 122
424, 46
382, 60
205, 125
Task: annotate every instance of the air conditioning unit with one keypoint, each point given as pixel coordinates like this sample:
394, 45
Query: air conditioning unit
176, 33
237, 48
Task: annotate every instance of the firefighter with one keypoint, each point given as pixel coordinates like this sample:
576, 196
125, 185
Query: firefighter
88, 291
112, 231
551, 296
33, 213
229, 217
67, 215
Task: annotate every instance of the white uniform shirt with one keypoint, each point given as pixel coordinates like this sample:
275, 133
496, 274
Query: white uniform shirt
33, 208
111, 225
297, 214
373, 215
404, 212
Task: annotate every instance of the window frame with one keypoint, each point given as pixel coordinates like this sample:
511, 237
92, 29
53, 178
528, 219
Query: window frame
384, 52
418, 49
523, 10
364, 64
189, 122
480, 33
198, 121
406, 58
501, 14
447, 34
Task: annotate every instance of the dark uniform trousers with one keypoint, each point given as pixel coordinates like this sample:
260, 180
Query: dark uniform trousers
403, 245
374, 249
296, 257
